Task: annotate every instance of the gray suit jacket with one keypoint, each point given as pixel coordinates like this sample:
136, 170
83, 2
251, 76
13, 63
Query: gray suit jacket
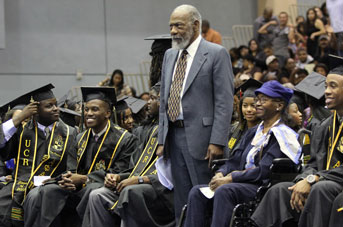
207, 100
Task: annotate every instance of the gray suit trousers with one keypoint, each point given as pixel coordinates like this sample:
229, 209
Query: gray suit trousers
187, 171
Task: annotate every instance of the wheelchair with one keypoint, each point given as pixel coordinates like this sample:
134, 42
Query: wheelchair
281, 170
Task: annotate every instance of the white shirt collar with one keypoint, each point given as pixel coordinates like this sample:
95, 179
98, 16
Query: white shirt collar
100, 133
42, 127
192, 49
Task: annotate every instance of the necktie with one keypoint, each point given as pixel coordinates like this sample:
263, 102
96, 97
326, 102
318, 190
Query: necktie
96, 137
47, 132
176, 87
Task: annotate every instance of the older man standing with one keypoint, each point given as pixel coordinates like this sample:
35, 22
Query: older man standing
195, 105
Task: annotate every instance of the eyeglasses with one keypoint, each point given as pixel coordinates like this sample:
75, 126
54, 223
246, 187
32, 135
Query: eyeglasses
262, 100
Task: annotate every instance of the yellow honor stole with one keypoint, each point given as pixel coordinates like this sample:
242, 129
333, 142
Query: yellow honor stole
144, 165
332, 143
97, 163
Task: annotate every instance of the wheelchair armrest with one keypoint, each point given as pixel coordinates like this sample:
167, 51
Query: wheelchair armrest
284, 165
182, 216
260, 192
219, 161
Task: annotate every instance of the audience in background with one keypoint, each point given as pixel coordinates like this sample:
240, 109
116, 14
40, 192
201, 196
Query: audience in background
282, 34
209, 33
264, 39
314, 28
117, 81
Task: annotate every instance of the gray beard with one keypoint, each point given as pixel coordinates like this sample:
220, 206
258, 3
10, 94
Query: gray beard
184, 40
180, 45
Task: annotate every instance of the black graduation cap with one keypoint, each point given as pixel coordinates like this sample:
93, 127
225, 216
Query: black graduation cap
70, 112
38, 94
335, 61
161, 43
68, 101
106, 94
68, 116
121, 104
135, 104
313, 85
248, 87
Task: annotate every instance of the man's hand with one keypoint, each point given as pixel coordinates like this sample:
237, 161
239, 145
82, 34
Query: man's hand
213, 152
71, 181
8, 178
78, 179
217, 175
159, 151
127, 182
29, 110
66, 183
219, 180
111, 180
299, 194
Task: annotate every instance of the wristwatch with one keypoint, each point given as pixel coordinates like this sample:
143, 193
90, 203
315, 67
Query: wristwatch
311, 179
140, 180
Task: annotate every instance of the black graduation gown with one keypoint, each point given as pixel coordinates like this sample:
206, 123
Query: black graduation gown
147, 204
152, 213
64, 201
277, 198
11, 151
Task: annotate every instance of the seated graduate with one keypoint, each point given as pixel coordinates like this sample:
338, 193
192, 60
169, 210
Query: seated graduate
247, 113
136, 196
313, 88
143, 131
138, 108
295, 116
308, 199
103, 147
124, 115
248, 168
40, 147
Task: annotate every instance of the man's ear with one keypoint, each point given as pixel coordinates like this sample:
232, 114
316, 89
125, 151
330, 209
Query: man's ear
108, 114
196, 25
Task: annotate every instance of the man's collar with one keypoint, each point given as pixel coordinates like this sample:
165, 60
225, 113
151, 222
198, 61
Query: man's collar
42, 127
192, 49
101, 132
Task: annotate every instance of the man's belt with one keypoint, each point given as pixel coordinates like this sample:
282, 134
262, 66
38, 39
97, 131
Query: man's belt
177, 124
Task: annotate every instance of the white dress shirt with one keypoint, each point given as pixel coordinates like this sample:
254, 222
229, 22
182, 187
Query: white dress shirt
191, 50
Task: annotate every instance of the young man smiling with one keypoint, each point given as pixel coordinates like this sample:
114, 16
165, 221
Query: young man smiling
103, 147
39, 146
133, 195
309, 198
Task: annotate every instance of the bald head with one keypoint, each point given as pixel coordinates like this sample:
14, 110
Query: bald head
193, 13
268, 13
185, 26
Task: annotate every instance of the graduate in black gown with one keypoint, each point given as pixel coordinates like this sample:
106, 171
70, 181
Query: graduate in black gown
103, 147
40, 147
247, 114
136, 196
308, 199
248, 168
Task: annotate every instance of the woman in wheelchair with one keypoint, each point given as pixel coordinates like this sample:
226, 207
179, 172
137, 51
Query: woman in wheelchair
248, 168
